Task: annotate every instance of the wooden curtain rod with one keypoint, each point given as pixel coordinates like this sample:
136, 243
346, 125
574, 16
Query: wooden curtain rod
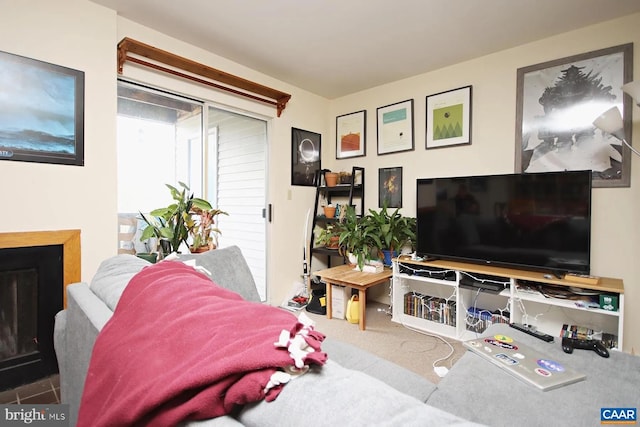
229, 82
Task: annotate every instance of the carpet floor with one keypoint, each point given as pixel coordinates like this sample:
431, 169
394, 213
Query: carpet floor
414, 350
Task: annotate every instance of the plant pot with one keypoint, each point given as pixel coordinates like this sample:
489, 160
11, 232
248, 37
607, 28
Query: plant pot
200, 249
331, 179
151, 257
388, 256
329, 211
334, 242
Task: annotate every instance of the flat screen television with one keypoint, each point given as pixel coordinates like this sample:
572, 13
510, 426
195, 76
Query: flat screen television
536, 221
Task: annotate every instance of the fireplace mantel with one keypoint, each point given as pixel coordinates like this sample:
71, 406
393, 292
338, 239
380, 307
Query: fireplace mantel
69, 239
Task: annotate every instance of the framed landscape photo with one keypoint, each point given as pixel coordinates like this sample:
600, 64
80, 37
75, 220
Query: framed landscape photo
305, 156
42, 116
390, 187
449, 118
557, 102
395, 127
351, 137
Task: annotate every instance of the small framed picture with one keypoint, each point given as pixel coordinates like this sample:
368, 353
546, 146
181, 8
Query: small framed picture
305, 156
449, 118
351, 137
395, 127
390, 187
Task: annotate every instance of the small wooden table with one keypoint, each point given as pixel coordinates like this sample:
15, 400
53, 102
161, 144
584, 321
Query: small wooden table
345, 275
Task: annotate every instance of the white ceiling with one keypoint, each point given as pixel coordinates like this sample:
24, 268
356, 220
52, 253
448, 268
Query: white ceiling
337, 47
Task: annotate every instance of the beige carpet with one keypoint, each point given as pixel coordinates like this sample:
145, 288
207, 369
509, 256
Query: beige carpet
392, 341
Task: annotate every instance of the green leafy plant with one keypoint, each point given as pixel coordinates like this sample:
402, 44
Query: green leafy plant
358, 236
173, 223
329, 235
393, 230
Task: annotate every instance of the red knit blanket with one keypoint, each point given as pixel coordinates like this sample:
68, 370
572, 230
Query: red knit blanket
180, 348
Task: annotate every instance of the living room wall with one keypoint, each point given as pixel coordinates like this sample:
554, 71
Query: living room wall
37, 196
615, 234
82, 35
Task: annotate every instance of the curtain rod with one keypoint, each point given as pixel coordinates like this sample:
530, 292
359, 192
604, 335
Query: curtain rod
230, 83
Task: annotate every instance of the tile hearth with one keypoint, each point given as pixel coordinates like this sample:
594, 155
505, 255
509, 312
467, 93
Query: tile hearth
46, 390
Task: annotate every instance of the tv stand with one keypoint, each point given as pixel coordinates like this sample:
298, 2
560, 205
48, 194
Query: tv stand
432, 296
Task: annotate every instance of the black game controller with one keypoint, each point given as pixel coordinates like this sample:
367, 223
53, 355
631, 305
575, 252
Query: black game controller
568, 344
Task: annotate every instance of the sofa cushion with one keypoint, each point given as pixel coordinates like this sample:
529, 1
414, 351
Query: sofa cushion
228, 269
113, 275
337, 396
480, 391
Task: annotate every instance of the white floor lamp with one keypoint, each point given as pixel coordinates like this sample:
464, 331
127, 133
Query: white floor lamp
611, 120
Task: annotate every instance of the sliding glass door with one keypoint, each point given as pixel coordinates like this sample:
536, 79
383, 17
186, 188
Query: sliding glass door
165, 139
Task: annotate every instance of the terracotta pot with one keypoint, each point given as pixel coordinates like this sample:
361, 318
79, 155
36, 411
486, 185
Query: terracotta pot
331, 178
201, 249
329, 211
334, 243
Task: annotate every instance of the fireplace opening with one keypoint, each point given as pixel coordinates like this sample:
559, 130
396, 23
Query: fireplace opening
31, 283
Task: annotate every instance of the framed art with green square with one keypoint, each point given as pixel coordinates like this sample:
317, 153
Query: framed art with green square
448, 118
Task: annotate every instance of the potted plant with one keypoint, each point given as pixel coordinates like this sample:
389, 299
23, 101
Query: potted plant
394, 231
172, 223
328, 236
203, 230
358, 236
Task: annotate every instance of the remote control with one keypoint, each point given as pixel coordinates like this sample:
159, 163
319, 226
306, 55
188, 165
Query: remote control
568, 344
531, 331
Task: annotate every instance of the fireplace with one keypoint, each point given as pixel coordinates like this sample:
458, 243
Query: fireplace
35, 267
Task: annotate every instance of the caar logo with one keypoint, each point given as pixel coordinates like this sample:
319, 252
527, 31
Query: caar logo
6, 153
618, 416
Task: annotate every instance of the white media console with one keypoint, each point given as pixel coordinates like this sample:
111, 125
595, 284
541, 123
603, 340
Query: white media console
434, 296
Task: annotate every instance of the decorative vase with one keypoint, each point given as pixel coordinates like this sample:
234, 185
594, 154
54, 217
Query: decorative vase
334, 242
165, 247
329, 211
331, 179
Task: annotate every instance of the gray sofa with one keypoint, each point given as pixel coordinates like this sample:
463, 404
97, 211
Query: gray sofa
331, 395
355, 387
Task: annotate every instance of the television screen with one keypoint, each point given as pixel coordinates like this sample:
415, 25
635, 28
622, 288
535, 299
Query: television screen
539, 221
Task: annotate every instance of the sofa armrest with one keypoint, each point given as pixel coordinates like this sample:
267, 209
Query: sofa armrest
83, 319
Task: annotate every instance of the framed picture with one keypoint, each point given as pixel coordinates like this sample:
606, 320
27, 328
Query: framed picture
395, 127
557, 102
449, 118
351, 136
305, 156
42, 116
390, 187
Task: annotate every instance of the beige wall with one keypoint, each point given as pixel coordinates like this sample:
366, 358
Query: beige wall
81, 35
615, 231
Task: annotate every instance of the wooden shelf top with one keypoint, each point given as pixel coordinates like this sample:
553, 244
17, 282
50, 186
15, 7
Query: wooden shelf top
606, 284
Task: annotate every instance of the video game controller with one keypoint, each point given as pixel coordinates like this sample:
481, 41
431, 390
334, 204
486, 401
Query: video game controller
568, 344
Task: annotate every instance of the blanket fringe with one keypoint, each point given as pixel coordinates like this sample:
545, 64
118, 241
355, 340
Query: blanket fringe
303, 347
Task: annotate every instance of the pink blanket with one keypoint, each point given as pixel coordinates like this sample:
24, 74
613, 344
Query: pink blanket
180, 348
